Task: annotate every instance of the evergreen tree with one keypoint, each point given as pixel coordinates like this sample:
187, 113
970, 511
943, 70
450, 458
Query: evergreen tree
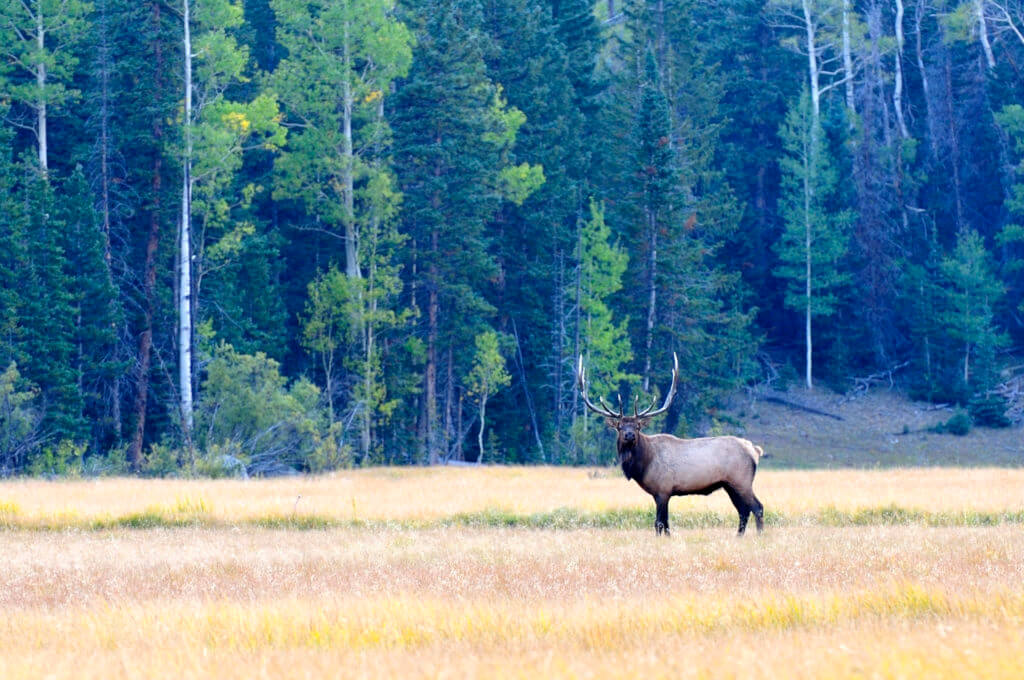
13, 256
47, 316
94, 321
970, 296
451, 127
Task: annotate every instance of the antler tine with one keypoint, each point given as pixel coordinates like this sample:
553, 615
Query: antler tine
636, 405
671, 392
581, 383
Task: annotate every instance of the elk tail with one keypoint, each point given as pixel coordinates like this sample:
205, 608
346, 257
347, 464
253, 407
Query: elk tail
760, 452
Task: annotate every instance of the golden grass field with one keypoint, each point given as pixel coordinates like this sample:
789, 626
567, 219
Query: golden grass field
903, 573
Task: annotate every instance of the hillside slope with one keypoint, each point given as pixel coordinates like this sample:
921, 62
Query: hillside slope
881, 428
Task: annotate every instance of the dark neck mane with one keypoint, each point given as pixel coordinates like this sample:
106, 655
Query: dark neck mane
636, 464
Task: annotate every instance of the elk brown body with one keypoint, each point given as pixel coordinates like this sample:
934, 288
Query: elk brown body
664, 465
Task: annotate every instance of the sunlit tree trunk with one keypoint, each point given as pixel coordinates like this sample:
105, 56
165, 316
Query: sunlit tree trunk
897, 92
185, 249
986, 46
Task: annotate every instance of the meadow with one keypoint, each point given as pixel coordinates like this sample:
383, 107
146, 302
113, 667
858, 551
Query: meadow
512, 572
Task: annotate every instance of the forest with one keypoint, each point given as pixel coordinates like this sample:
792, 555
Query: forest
271, 236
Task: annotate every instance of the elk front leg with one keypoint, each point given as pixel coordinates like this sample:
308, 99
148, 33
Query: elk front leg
661, 515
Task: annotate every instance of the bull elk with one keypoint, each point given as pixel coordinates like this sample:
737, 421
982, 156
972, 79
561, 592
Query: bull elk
665, 466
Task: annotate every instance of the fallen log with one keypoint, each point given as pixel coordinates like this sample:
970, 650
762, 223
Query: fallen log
801, 407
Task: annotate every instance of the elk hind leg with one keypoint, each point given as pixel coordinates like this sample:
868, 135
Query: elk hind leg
758, 510
661, 515
742, 507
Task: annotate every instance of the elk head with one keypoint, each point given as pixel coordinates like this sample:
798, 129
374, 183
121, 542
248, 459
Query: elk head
627, 427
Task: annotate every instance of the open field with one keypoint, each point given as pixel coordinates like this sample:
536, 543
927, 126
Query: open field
512, 572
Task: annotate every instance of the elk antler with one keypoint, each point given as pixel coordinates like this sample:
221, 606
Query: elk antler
648, 413
581, 383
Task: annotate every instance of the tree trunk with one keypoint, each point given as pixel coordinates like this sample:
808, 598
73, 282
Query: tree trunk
919, 53
809, 165
812, 62
986, 46
480, 434
185, 251
430, 379
149, 275
897, 92
452, 438
105, 201
351, 242
652, 293
848, 61
41, 84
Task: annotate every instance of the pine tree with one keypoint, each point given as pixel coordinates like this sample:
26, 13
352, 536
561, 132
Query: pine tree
969, 299
47, 316
95, 319
450, 130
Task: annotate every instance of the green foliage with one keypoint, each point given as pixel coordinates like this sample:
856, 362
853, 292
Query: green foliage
248, 404
63, 23
162, 460
63, 460
489, 373
602, 265
19, 420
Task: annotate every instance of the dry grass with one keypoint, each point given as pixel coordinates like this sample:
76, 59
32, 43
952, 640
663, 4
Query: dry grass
390, 600
431, 494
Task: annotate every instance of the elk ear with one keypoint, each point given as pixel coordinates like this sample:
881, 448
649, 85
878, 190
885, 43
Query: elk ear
612, 423
642, 423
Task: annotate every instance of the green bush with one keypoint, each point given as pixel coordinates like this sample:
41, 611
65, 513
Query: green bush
161, 460
329, 453
248, 409
959, 424
63, 460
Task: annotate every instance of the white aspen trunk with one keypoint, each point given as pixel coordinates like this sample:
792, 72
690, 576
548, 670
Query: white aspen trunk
480, 434
848, 60
185, 252
812, 62
979, 11
919, 53
41, 84
810, 162
351, 244
368, 366
897, 92
808, 240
